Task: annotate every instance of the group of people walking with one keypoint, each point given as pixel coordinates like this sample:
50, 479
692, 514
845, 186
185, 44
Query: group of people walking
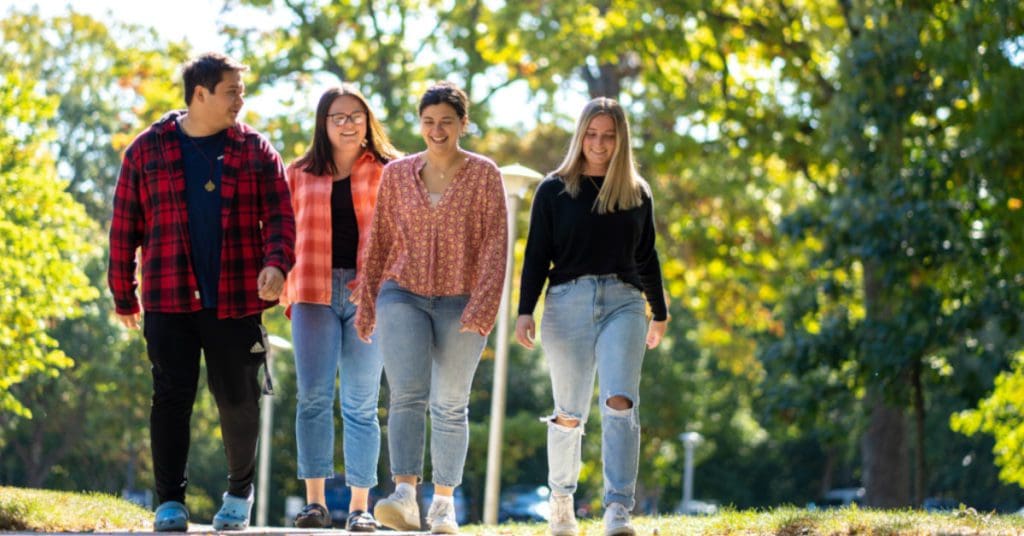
385, 264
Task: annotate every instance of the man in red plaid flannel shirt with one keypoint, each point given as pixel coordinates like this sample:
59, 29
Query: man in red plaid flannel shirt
205, 199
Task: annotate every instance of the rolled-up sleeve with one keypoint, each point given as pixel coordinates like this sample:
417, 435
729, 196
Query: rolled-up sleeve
485, 297
378, 247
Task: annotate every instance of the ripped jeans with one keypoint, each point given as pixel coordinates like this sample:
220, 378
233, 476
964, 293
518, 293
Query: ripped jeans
595, 326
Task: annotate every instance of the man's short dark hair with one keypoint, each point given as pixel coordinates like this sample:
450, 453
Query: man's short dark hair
207, 70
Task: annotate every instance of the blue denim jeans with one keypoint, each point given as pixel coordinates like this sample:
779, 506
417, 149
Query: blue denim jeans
595, 326
427, 359
326, 349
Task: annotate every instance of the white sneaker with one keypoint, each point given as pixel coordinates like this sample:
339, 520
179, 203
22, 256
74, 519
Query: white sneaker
441, 517
399, 510
563, 516
616, 521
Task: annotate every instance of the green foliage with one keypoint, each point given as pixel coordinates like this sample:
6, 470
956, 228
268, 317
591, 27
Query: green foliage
104, 83
111, 81
911, 255
1001, 414
787, 177
380, 48
43, 242
837, 189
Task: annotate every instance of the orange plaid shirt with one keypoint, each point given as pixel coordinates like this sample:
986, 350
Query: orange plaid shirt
457, 247
310, 279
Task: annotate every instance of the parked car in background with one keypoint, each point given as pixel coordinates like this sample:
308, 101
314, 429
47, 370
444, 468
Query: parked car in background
839, 498
940, 504
697, 508
524, 502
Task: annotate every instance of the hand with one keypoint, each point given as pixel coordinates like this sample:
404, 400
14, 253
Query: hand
525, 331
655, 332
361, 331
130, 321
364, 322
467, 329
270, 283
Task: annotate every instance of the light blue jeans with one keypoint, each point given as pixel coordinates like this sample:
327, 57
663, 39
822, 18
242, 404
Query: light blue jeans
427, 359
326, 348
595, 326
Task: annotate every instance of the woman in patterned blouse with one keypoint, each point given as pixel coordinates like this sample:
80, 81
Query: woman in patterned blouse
431, 282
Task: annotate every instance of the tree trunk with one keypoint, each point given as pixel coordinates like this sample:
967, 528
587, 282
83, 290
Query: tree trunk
828, 471
885, 456
603, 80
920, 466
884, 452
40, 456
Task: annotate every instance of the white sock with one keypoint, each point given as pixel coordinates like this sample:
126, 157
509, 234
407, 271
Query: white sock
409, 489
444, 499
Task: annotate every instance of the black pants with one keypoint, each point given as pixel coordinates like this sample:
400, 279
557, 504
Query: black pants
234, 350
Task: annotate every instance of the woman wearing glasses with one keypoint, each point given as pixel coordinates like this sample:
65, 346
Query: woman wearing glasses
431, 284
334, 193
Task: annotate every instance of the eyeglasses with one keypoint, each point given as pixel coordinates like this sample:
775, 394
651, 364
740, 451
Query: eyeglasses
340, 118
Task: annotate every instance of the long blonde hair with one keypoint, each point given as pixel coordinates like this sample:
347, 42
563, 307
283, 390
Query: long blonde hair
623, 187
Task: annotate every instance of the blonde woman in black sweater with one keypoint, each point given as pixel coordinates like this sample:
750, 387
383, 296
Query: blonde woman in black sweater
592, 239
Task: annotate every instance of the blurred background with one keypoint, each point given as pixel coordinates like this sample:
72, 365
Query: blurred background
838, 189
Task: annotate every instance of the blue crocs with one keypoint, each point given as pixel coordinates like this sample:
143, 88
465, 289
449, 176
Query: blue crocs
234, 513
171, 516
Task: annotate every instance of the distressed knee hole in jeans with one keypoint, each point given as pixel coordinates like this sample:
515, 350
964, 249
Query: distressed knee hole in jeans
575, 423
609, 411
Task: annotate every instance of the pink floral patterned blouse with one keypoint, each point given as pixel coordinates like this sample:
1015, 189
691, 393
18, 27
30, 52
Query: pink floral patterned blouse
456, 247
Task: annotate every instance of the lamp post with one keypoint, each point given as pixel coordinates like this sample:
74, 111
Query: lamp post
690, 440
266, 427
517, 180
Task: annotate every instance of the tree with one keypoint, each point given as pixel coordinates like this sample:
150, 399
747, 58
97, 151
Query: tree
810, 164
1000, 415
378, 46
908, 213
111, 80
42, 247
103, 94
718, 228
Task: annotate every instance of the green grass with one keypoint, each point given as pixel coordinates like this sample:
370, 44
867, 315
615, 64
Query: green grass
791, 521
56, 511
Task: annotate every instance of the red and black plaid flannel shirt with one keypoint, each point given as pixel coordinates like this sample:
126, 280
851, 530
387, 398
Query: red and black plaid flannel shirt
150, 212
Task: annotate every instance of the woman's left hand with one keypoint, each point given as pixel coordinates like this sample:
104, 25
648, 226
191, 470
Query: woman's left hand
655, 331
467, 329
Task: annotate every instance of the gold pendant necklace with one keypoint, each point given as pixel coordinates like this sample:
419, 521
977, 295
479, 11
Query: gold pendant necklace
210, 186
443, 173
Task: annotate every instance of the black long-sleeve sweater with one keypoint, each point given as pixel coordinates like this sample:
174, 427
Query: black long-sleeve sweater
568, 239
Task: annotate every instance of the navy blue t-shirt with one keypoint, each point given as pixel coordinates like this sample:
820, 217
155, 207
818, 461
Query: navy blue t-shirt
204, 162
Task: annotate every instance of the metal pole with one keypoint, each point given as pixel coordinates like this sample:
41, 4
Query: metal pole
263, 474
688, 478
266, 427
690, 440
492, 488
